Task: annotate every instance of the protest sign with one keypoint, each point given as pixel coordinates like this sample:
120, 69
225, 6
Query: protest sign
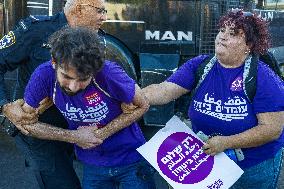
176, 153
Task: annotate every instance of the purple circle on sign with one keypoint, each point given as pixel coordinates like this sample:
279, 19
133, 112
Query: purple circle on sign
181, 159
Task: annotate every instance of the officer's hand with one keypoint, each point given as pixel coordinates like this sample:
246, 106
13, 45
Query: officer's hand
44, 105
14, 112
128, 108
22, 129
215, 145
85, 137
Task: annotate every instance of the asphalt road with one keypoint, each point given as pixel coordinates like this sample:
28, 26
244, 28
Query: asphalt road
13, 175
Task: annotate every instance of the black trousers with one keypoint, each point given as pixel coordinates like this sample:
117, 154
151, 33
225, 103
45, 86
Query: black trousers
51, 161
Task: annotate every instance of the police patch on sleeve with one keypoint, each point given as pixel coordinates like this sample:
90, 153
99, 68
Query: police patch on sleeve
7, 40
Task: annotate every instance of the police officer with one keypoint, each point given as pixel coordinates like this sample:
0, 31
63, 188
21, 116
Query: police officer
25, 48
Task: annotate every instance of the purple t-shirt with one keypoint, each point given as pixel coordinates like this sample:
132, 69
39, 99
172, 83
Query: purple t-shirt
220, 106
93, 106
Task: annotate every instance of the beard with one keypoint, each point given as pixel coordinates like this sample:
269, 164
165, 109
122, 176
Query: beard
68, 92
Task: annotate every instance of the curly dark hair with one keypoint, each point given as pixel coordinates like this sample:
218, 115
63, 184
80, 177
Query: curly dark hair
79, 48
254, 27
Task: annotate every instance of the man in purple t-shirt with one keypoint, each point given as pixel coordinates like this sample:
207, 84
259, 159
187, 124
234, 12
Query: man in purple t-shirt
89, 91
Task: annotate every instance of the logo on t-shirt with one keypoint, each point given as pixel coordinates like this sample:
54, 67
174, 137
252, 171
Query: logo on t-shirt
92, 98
237, 84
231, 109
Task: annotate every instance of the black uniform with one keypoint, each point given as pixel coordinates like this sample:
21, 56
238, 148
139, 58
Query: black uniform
25, 48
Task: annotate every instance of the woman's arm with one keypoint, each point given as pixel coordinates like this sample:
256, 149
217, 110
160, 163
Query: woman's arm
158, 94
163, 93
269, 128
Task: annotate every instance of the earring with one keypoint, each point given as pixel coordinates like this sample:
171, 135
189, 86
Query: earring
53, 61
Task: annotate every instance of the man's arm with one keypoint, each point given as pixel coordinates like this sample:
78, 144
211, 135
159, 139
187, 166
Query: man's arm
269, 128
125, 119
83, 137
14, 112
15, 50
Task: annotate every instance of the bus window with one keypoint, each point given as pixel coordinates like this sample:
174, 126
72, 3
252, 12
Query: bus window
270, 4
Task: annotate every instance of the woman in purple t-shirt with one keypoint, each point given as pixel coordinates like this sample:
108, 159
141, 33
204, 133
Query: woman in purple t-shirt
220, 107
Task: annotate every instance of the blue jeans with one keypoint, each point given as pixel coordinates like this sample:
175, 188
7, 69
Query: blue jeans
138, 175
262, 176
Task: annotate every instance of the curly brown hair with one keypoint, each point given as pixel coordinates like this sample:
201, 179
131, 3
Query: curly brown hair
254, 27
77, 47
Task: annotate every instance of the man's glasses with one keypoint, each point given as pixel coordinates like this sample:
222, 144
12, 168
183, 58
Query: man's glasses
101, 11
